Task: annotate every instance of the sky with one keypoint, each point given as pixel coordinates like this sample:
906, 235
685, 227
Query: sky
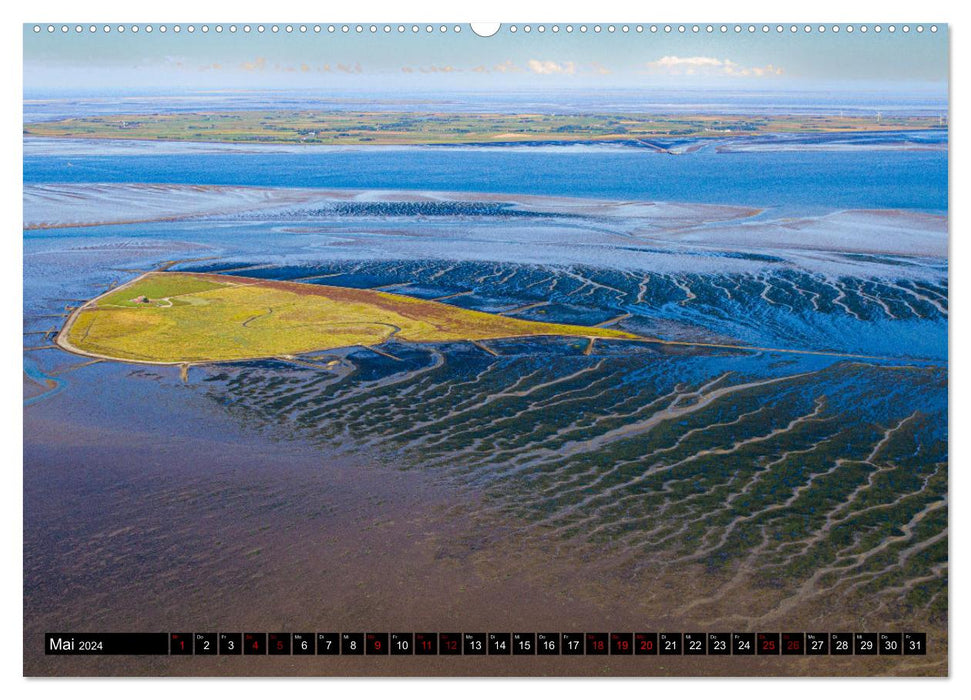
101, 62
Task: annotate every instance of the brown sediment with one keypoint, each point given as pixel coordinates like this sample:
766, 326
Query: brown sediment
224, 531
612, 321
527, 307
453, 296
383, 353
289, 359
111, 222
378, 549
485, 348
71, 368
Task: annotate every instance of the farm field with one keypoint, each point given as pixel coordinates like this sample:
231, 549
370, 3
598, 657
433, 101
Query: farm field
405, 128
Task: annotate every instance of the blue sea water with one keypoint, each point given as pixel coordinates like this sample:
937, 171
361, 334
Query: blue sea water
798, 181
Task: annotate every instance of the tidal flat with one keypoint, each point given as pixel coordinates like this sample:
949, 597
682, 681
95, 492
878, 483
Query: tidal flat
799, 481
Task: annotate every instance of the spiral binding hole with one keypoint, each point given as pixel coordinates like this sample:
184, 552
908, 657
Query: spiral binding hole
511, 28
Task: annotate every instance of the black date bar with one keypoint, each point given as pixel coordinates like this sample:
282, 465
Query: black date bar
106, 643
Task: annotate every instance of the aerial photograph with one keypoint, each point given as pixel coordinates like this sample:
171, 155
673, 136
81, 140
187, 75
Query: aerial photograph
572, 332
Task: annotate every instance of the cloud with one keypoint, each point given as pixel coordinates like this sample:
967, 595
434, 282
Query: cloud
506, 66
552, 67
707, 65
260, 64
534, 66
678, 61
256, 64
431, 69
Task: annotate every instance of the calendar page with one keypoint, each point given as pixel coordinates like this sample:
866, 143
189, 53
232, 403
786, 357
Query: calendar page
485, 350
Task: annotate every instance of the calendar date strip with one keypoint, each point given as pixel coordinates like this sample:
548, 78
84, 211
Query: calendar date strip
485, 643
